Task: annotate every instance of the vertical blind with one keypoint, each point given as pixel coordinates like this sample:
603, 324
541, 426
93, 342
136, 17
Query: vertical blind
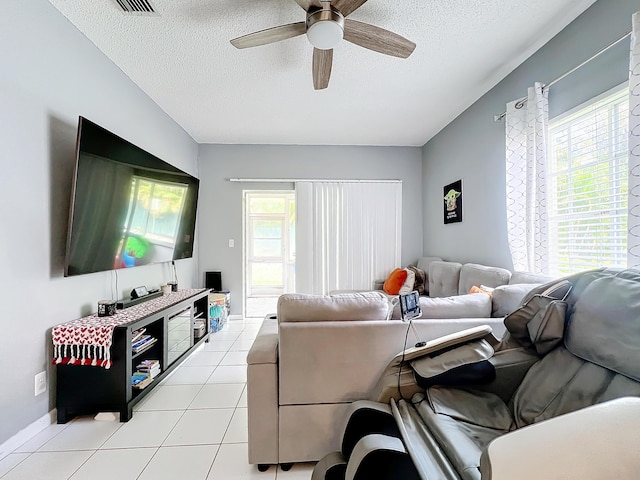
348, 234
587, 194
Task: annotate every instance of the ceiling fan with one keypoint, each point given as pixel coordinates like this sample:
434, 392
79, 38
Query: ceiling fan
325, 27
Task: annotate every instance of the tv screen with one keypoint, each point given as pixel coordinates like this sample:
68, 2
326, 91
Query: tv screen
128, 207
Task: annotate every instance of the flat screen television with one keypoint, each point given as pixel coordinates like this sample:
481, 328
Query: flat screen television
128, 207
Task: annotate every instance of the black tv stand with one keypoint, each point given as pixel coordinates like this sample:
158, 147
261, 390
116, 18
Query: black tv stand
87, 390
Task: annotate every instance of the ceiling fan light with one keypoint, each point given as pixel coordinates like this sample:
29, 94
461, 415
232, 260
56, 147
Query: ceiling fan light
325, 34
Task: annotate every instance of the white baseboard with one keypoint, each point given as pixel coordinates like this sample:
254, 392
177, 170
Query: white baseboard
235, 317
27, 433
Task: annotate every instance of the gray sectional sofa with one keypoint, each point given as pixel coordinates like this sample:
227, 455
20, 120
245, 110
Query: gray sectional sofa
320, 353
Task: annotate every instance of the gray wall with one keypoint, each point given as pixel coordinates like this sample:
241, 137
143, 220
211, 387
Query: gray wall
472, 147
220, 205
49, 75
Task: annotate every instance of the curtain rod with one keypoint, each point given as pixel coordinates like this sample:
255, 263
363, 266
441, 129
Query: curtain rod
520, 103
293, 180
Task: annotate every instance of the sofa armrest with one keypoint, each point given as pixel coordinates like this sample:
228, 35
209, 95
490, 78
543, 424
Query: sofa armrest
597, 442
265, 347
445, 342
262, 395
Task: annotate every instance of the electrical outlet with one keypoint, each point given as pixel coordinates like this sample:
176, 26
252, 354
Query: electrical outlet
40, 383
232, 243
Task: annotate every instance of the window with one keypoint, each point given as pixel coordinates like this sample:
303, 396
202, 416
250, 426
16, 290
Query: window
587, 189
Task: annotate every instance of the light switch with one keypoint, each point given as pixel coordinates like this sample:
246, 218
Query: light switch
232, 243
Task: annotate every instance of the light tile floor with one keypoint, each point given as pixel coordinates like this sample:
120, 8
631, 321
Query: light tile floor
193, 426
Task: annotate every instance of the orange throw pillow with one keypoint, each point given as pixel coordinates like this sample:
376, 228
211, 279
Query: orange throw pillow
394, 281
475, 289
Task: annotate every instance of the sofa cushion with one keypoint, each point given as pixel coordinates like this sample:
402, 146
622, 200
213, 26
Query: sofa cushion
507, 298
423, 264
298, 307
473, 305
526, 277
605, 327
444, 278
472, 274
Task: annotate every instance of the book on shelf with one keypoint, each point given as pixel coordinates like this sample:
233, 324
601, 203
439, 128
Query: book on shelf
150, 367
135, 335
141, 340
143, 345
140, 380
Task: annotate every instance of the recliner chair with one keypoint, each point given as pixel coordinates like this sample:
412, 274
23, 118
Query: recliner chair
556, 398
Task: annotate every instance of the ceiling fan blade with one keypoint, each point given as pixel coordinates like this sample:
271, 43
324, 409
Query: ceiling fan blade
307, 4
347, 7
377, 39
270, 35
322, 61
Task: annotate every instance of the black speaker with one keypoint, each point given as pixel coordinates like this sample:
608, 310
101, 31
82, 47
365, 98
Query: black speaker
213, 280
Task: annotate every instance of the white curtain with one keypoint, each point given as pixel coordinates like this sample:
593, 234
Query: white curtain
633, 239
347, 235
527, 124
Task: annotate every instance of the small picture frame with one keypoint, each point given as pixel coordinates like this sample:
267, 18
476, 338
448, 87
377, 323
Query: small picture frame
452, 197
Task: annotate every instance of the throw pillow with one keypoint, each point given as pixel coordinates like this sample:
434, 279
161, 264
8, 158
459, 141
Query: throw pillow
407, 286
481, 289
394, 281
420, 279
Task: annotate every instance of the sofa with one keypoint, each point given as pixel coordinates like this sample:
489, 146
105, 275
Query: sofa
556, 398
315, 357
446, 287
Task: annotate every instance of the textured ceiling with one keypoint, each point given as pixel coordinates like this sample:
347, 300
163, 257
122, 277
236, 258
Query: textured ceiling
183, 60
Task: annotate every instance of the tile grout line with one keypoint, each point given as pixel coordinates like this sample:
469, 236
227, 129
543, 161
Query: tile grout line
12, 468
80, 466
148, 462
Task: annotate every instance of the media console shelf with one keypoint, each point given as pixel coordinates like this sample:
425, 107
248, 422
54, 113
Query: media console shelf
84, 389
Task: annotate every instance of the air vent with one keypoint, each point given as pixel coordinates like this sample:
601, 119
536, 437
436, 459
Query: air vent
136, 7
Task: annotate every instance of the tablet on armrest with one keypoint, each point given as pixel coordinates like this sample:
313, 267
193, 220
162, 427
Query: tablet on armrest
410, 306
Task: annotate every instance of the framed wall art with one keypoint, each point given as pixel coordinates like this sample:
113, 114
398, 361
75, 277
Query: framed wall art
453, 202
